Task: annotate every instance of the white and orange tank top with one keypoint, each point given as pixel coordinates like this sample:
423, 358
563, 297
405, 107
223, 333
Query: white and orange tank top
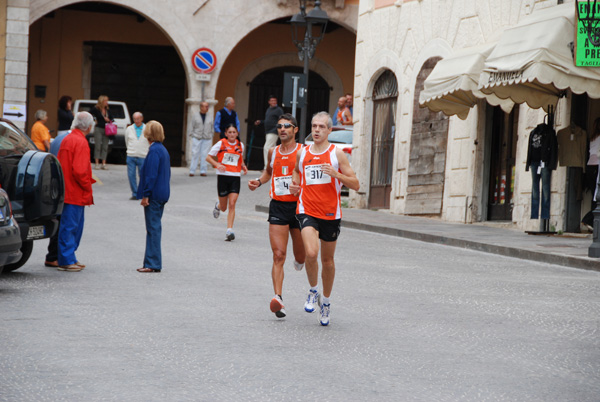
283, 166
320, 193
231, 156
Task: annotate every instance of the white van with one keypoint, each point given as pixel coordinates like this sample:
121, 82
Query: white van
120, 114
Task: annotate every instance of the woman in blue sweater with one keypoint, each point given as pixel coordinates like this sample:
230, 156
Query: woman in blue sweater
154, 191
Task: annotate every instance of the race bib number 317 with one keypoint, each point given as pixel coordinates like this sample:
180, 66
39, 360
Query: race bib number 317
314, 175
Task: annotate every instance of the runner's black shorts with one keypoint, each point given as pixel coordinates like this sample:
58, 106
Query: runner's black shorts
227, 185
283, 213
329, 230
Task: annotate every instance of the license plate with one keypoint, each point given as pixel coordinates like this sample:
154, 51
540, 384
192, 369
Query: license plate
35, 232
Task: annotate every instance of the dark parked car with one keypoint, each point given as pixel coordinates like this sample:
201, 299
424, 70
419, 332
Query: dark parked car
10, 235
34, 182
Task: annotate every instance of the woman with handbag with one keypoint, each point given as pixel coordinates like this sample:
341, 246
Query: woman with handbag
102, 116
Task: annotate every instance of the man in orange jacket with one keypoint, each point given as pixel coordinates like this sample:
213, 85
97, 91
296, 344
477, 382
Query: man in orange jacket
74, 157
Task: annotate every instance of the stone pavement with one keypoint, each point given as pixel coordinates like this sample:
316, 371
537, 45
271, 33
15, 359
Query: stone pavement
411, 321
566, 250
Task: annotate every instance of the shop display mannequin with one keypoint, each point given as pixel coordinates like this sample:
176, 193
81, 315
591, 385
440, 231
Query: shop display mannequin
542, 158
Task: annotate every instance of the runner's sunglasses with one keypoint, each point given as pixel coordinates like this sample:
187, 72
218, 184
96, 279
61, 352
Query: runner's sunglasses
285, 125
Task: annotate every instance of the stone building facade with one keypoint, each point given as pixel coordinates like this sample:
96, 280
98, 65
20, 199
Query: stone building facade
443, 166
249, 38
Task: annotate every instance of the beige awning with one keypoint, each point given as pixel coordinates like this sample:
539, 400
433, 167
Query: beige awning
452, 86
533, 63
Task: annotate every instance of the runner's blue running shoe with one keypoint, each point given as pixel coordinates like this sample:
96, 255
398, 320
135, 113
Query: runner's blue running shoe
324, 319
312, 298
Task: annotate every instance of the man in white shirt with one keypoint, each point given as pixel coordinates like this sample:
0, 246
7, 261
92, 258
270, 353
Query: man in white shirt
137, 149
201, 133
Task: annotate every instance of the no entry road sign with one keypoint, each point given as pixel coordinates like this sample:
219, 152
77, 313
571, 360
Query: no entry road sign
204, 60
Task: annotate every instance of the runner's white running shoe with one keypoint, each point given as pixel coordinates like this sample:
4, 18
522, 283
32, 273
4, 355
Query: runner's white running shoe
298, 266
313, 297
277, 307
216, 211
324, 319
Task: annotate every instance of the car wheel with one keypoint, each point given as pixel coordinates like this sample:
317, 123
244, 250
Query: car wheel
26, 250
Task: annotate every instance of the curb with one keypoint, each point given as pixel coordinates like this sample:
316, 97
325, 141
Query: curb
566, 261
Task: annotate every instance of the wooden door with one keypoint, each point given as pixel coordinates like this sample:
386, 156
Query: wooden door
150, 79
385, 99
427, 164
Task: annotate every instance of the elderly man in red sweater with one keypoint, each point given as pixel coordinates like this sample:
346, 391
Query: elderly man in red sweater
74, 157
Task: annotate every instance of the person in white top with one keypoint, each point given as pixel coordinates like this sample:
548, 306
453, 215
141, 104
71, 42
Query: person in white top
137, 149
227, 157
201, 133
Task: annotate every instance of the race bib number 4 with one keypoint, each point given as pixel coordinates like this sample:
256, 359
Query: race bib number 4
230, 159
314, 175
282, 185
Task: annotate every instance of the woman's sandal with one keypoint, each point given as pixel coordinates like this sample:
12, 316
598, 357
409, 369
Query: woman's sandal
148, 270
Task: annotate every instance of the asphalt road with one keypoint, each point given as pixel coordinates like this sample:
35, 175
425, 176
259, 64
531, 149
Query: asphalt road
410, 321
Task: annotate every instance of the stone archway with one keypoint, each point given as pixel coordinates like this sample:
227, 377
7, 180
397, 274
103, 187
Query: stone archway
385, 99
281, 60
134, 62
270, 82
384, 60
166, 23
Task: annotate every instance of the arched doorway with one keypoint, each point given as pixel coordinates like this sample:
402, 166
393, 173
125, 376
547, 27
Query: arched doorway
385, 100
427, 164
270, 82
133, 62
269, 46
501, 137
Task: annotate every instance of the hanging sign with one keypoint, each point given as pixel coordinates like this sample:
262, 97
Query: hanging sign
204, 60
587, 35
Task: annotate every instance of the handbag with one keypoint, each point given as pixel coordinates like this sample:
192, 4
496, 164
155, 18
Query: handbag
110, 129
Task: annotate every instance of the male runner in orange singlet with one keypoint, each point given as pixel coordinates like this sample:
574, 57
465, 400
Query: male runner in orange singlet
320, 172
282, 209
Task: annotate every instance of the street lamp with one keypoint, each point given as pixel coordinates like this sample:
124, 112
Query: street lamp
308, 30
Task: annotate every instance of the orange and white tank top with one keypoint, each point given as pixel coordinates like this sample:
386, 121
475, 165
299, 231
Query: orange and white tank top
283, 166
231, 156
320, 193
